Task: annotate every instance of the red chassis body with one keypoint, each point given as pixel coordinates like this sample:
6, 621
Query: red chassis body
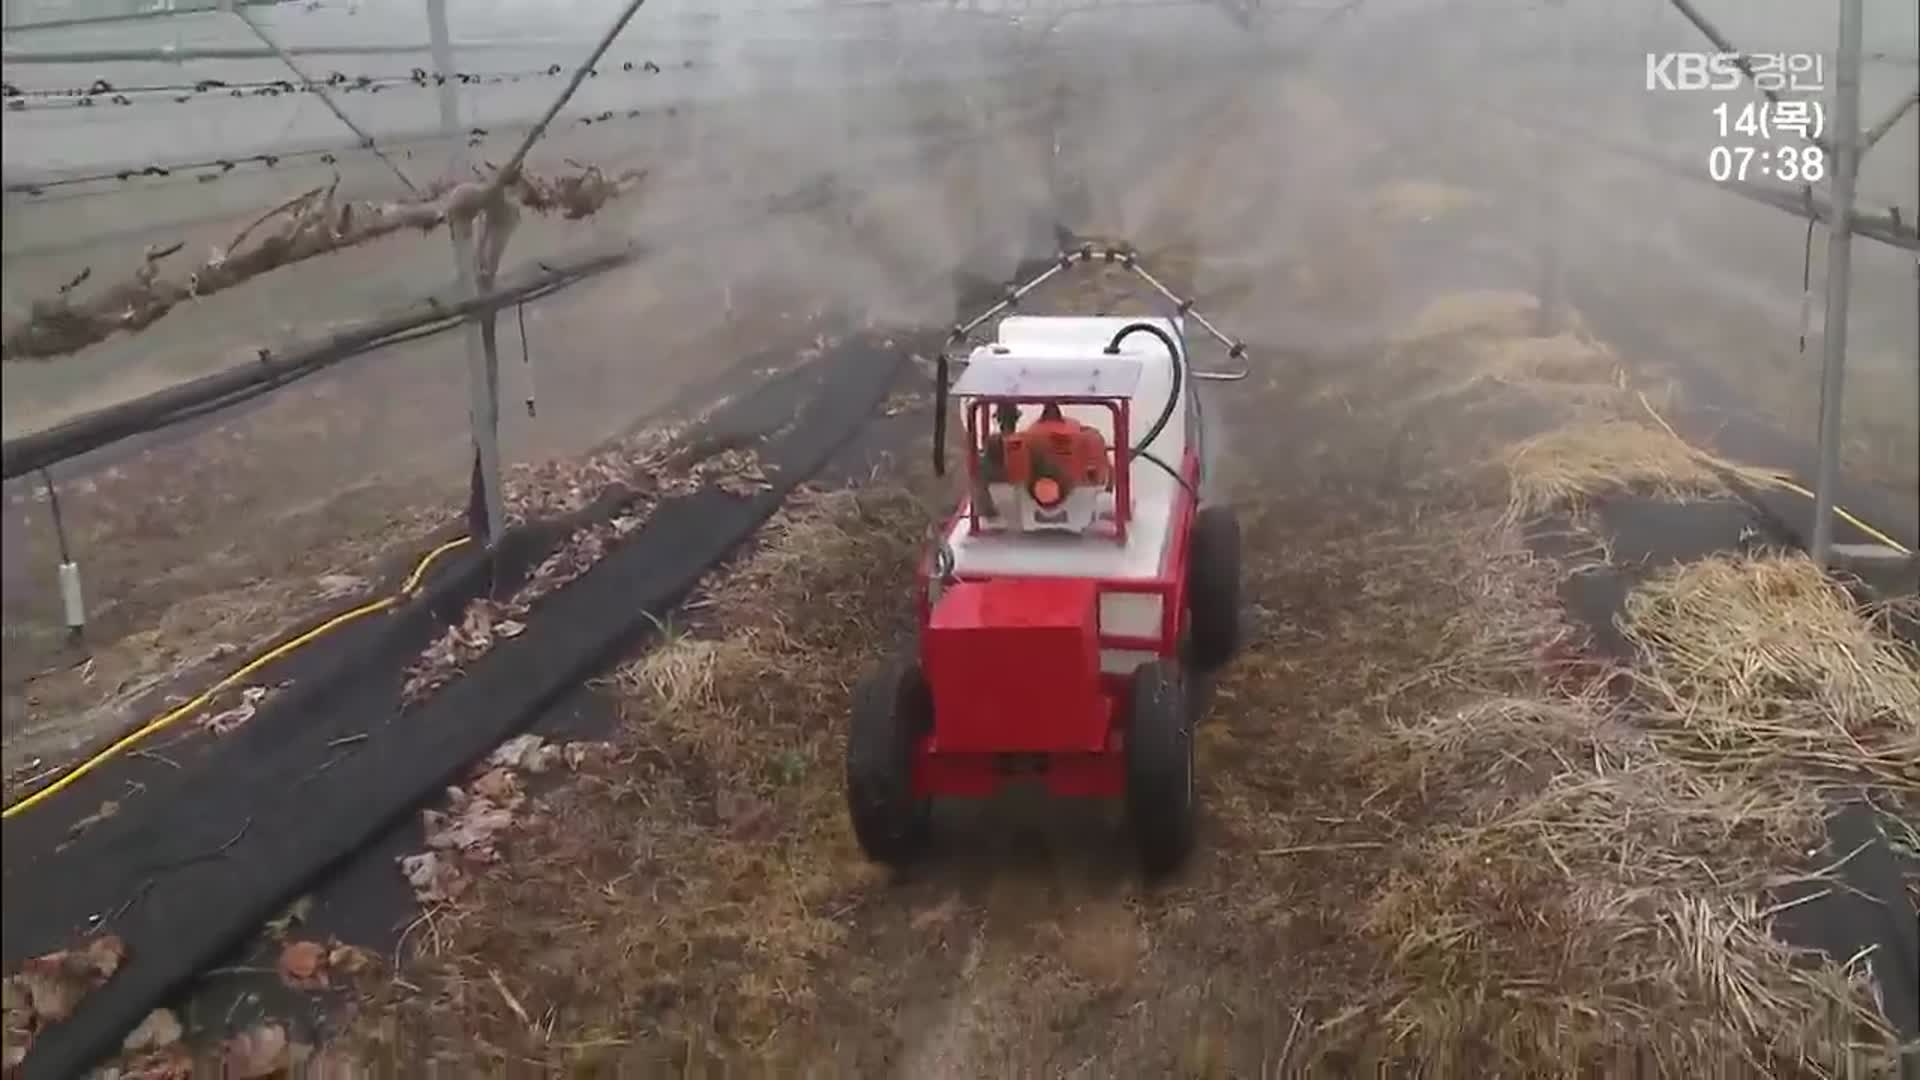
1013, 662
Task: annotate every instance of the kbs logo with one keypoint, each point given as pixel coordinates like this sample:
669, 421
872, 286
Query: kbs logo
1693, 71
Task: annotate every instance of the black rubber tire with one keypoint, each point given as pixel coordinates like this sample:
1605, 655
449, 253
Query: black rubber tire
892, 711
1161, 800
1213, 587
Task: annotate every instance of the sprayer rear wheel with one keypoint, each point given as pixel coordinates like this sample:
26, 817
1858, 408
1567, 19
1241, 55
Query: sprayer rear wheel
1160, 792
892, 712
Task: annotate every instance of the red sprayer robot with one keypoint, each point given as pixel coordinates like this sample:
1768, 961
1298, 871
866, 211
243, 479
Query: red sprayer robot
1079, 582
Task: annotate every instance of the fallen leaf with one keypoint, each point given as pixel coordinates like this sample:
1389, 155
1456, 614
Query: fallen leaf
334, 1063
580, 755
349, 959
13, 995
433, 878
104, 955
419, 870
334, 586
107, 810
545, 758
516, 752
173, 1062
938, 915
296, 913
250, 699
470, 831
55, 983
227, 720
508, 628
51, 995
500, 787
257, 1052
303, 965
160, 1029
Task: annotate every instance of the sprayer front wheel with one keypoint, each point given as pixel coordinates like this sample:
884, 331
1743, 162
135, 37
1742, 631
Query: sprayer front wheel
1213, 587
892, 712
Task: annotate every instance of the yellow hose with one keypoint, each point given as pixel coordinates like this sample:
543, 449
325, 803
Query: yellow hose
1786, 481
166, 719
1841, 513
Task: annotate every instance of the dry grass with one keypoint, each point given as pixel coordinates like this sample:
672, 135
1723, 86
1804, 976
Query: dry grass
1617, 898
1513, 869
1767, 664
1555, 892
1569, 467
1566, 369
1569, 881
1467, 377
1480, 311
1421, 200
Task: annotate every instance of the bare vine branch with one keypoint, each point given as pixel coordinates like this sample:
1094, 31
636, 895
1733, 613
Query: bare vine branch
311, 224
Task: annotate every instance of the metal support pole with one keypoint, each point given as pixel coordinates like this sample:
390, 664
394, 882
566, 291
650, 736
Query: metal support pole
1846, 165
1553, 178
483, 385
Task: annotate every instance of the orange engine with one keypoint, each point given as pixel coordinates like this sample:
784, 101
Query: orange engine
1054, 455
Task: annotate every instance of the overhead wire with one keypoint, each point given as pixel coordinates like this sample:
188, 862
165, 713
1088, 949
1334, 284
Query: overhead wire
22, 98
367, 142
334, 154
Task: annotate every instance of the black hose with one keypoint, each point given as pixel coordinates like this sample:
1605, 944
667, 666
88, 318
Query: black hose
1179, 377
1170, 471
940, 414
1198, 429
